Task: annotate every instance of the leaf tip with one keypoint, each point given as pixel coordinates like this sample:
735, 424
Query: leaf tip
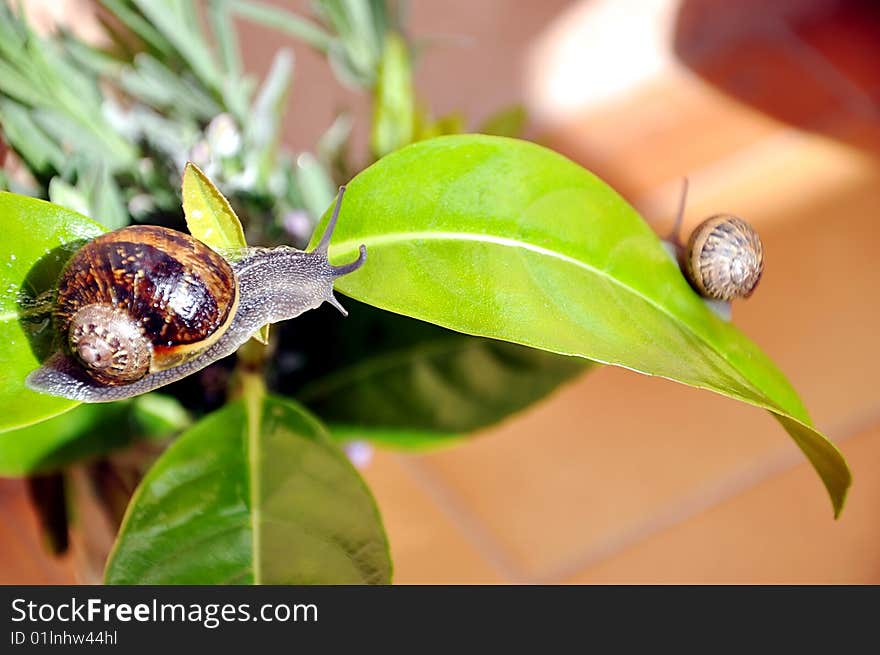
838, 499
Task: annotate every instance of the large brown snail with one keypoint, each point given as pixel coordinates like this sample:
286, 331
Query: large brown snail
723, 258
143, 306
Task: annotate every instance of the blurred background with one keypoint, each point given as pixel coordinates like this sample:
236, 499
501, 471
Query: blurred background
773, 112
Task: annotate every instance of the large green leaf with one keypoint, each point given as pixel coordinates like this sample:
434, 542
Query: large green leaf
506, 239
253, 493
407, 383
86, 431
38, 238
435, 390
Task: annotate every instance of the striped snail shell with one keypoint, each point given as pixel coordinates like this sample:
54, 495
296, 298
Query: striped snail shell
142, 299
144, 306
724, 258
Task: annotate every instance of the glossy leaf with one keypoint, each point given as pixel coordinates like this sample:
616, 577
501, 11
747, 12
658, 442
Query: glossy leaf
86, 431
505, 239
38, 238
211, 219
284, 21
387, 378
436, 390
252, 494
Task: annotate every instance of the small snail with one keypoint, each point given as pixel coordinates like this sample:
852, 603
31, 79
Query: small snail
723, 258
143, 306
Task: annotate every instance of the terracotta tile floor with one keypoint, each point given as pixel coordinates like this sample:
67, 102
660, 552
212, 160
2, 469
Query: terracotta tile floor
776, 532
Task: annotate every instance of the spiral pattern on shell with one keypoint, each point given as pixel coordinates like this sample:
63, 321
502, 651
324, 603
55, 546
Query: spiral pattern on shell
142, 299
724, 258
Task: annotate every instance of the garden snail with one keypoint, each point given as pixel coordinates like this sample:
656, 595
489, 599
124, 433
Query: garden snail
723, 258
143, 306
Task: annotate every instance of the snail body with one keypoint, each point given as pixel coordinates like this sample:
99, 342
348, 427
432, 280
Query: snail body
144, 306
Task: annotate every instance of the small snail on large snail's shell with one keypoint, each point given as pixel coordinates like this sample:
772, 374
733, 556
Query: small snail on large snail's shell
143, 306
723, 258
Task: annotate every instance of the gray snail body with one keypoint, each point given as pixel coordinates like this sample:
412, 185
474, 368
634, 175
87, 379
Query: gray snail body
124, 337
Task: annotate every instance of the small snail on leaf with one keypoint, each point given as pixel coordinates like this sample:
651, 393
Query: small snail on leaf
722, 260
143, 306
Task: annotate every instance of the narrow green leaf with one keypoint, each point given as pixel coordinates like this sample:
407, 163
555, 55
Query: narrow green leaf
505, 239
38, 238
105, 198
451, 385
507, 122
252, 496
68, 196
393, 111
41, 153
122, 10
172, 19
315, 186
427, 128
263, 128
154, 83
209, 216
224, 34
283, 21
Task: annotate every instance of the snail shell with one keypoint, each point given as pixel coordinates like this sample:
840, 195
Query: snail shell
724, 258
142, 299
141, 307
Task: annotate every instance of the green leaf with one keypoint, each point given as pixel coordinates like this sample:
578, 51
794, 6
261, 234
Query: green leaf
394, 380
263, 129
447, 386
105, 198
225, 36
427, 128
122, 10
159, 415
38, 238
68, 196
252, 494
209, 216
315, 185
394, 110
211, 219
507, 122
86, 431
412, 440
41, 153
174, 20
505, 239
284, 21
361, 28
